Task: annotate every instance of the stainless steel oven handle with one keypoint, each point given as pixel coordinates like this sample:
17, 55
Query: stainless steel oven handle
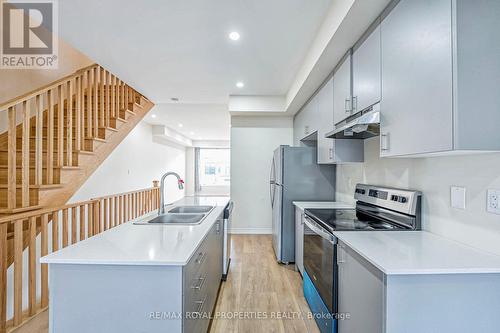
317, 229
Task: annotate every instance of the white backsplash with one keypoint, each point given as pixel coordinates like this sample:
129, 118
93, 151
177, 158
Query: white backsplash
434, 176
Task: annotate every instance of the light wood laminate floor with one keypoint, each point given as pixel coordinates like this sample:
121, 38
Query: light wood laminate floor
257, 286
257, 283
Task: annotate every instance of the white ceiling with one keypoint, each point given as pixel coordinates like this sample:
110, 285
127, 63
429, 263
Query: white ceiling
199, 121
181, 48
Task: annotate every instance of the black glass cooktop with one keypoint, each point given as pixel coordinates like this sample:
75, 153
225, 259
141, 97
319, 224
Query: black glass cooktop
348, 219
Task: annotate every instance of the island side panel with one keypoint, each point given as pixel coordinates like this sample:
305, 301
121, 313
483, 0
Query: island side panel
443, 303
115, 298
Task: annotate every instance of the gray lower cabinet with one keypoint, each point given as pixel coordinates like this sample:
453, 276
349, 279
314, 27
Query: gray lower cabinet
201, 280
299, 240
371, 301
440, 75
361, 293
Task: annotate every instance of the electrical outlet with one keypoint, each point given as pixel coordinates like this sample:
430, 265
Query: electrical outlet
457, 197
493, 204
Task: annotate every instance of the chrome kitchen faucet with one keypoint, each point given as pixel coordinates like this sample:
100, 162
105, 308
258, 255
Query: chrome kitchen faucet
180, 184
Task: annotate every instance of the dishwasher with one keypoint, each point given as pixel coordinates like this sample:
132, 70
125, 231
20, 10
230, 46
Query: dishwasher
227, 240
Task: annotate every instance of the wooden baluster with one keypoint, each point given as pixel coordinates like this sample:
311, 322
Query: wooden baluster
32, 266
11, 159
84, 107
65, 231
108, 98
50, 137
136, 204
90, 79
123, 95
60, 126
127, 98
25, 177
3, 277
44, 267
122, 210
69, 124
117, 100
18, 272
90, 219
38, 140
82, 222
78, 112
102, 80
95, 107
112, 88
105, 215
97, 218
117, 220
55, 231
74, 227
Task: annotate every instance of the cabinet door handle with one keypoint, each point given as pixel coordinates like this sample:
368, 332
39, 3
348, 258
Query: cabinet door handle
330, 154
354, 103
384, 141
348, 105
340, 254
201, 257
306, 130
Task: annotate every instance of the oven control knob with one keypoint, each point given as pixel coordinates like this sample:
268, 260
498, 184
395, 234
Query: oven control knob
402, 199
394, 197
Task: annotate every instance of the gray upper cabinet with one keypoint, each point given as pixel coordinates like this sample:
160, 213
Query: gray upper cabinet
366, 80
342, 90
325, 124
440, 76
305, 124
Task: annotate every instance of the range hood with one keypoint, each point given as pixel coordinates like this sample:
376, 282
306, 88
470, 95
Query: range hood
363, 125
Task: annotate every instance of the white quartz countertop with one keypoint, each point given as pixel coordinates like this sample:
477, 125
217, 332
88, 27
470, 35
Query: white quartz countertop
418, 252
132, 244
322, 205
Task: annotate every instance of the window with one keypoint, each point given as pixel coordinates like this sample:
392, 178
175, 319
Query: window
213, 171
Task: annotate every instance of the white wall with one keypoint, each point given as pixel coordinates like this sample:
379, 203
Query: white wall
134, 164
434, 176
253, 140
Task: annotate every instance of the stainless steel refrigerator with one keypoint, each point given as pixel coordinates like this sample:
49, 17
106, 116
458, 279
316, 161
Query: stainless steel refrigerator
295, 176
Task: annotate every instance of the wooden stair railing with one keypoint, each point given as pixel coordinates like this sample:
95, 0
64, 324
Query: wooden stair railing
63, 225
59, 134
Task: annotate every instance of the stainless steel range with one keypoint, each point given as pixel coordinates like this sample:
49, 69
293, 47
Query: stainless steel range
377, 208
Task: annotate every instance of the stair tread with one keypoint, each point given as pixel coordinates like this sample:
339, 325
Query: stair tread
20, 209
5, 166
40, 187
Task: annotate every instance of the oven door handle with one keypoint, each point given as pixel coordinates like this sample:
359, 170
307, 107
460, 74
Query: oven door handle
317, 229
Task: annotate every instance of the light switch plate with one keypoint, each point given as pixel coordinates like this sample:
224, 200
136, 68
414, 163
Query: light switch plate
493, 201
458, 197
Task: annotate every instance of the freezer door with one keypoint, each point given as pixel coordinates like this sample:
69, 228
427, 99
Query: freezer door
277, 220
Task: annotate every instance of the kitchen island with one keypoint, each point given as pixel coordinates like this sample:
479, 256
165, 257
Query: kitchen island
140, 277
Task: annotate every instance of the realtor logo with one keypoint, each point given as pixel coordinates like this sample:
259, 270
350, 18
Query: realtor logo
29, 34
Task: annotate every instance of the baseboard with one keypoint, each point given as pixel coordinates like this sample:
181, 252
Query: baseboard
251, 231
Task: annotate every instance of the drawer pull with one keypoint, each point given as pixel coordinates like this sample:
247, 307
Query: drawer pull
201, 257
202, 282
201, 304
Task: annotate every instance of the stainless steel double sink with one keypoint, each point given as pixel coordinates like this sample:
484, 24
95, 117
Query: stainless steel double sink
182, 215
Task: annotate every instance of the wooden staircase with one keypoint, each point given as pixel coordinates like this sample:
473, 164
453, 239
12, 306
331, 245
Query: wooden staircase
59, 134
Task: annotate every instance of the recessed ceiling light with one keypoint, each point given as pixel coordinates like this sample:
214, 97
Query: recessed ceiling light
234, 35
180, 125
153, 116
174, 99
240, 84
191, 133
